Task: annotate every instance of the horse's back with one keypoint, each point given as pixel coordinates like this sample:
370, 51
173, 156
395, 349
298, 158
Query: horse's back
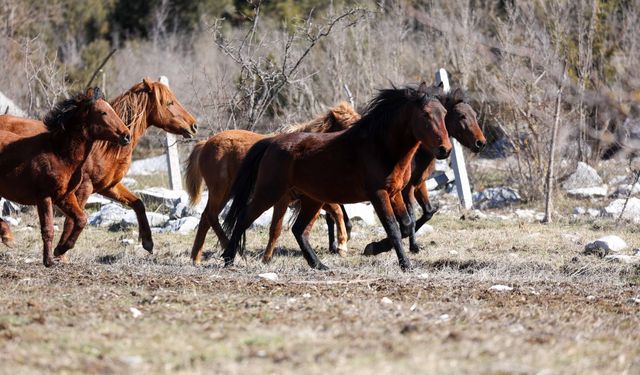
21, 126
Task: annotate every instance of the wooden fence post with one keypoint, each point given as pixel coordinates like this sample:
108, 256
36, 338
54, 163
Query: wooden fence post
173, 159
457, 156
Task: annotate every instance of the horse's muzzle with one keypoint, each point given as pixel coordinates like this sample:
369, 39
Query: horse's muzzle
478, 146
442, 152
124, 139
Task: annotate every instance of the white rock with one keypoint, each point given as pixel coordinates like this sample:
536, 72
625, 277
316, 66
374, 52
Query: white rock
589, 192
579, 211
453, 252
127, 241
622, 258
162, 196
424, 229
496, 197
386, 301
129, 182
632, 210
501, 288
591, 298
8, 208
363, 212
135, 312
444, 317
96, 201
271, 276
12, 221
605, 245
156, 219
111, 214
584, 177
185, 225
423, 276
593, 212
306, 295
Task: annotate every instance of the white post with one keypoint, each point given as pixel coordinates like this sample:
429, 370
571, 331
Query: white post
457, 156
173, 159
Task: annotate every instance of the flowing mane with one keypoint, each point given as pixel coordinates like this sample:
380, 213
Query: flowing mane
384, 106
56, 119
339, 117
132, 105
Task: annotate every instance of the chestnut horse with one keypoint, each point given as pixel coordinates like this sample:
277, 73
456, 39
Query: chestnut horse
462, 124
46, 168
217, 160
147, 103
371, 159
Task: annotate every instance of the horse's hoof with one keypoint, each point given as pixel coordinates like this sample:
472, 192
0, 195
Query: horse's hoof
49, 262
148, 245
196, 262
8, 241
369, 250
321, 267
266, 259
405, 265
414, 249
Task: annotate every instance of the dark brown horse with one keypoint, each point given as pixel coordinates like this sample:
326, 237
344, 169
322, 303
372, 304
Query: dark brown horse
46, 168
372, 159
147, 103
216, 161
462, 124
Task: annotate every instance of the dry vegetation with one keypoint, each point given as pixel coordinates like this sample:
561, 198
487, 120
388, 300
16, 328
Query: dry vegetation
442, 319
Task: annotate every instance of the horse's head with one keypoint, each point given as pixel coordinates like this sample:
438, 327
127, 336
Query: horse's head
428, 124
341, 117
103, 123
462, 123
166, 112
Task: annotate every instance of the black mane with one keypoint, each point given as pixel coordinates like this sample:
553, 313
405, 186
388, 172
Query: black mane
384, 106
56, 119
452, 98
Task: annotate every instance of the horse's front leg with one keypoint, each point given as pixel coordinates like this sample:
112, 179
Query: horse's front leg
121, 194
81, 196
45, 214
405, 220
279, 210
5, 233
382, 204
71, 208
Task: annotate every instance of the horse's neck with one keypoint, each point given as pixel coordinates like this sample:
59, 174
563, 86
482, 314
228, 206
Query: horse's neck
73, 148
399, 141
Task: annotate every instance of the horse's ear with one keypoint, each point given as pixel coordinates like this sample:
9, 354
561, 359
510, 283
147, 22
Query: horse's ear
148, 83
423, 87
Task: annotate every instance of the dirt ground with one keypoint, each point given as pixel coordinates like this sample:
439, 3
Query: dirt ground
116, 309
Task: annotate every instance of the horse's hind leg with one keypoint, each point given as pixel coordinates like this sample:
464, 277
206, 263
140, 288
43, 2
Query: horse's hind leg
201, 234
335, 211
422, 197
382, 204
347, 221
279, 210
121, 194
82, 195
409, 200
309, 210
5, 233
208, 219
45, 214
333, 244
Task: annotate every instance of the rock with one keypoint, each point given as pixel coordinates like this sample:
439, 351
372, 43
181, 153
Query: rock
617, 180
111, 214
127, 241
636, 252
135, 312
363, 212
501, 288
96, 201
157, 220
184, 225
528, 214
593, 212
475, 215
145, 167
584, 177
386, 301
591, 298
633, 301
8, 207
623, 190
579, 211
270, 276
632, 211
157, 196
496, 197
589, 192
424, 229
605, 245
129, 182
621, 258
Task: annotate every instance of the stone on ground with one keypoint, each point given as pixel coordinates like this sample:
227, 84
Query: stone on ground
605, 245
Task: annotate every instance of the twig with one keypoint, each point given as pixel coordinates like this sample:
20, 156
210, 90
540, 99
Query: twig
95, 73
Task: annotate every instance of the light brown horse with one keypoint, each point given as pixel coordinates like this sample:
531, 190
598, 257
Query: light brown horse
147, 103
217, 160
46, 168
462, 124
372, 159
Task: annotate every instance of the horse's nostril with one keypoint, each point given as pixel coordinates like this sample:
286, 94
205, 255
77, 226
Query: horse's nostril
194, 127
480, 145
442, 152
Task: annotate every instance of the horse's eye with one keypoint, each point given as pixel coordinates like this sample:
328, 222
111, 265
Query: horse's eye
462, 117
170, 103
103, 113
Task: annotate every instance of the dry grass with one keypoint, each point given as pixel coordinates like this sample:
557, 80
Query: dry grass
443, 319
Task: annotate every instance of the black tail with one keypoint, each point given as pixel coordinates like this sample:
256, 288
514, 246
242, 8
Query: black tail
243, 185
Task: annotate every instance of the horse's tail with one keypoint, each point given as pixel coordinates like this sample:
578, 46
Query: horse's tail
193, 180
244, 183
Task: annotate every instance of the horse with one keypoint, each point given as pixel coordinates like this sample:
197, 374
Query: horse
147, 103
215, 161
462, 124
46, 168
372, 160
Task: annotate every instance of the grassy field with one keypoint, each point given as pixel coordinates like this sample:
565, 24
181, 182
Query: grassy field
567, 313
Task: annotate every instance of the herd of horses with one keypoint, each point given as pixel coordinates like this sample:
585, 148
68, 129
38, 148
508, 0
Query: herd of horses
84, 145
